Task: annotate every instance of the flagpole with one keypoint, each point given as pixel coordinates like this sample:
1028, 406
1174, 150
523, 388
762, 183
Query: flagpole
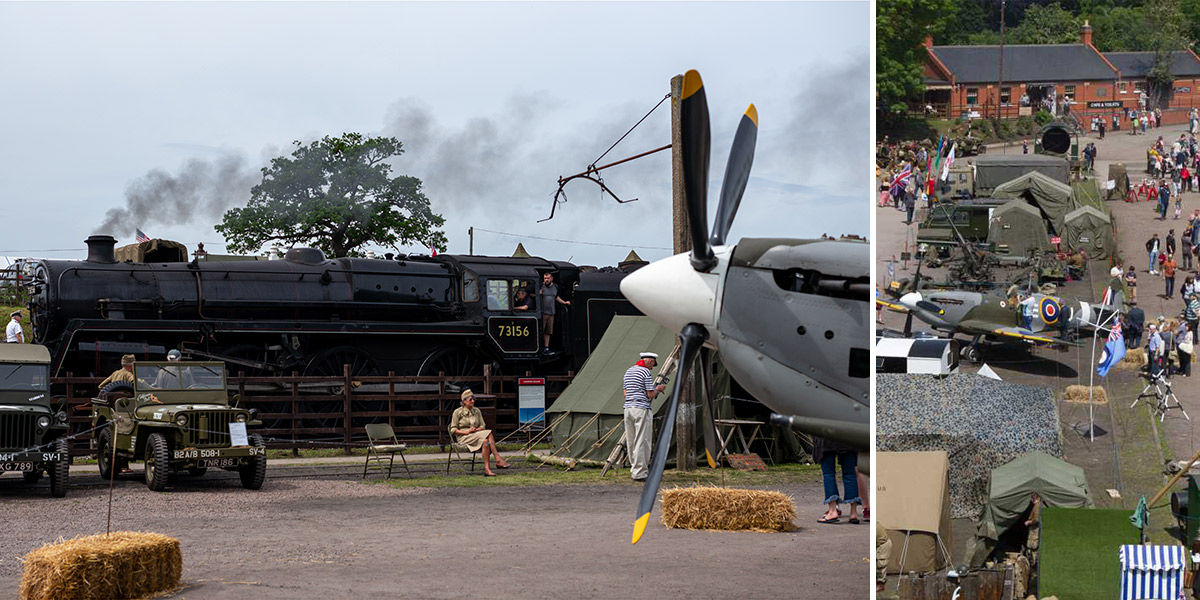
1092, 379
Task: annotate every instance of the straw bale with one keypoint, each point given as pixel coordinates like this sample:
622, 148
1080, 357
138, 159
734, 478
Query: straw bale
1079, 394
123, 564
1135, 358
722, 509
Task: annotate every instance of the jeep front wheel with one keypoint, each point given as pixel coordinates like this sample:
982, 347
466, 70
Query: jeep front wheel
158, 462
60, 472
254, 471
104, 455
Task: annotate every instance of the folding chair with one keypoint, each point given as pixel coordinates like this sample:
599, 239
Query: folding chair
383, 442
456, 449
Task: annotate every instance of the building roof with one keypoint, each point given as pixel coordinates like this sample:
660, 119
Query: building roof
1137, 64
1024, 63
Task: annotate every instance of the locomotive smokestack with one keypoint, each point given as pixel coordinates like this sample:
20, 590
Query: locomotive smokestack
100, 249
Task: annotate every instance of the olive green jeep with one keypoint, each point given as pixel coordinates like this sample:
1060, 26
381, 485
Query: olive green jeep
32, 424
176, 417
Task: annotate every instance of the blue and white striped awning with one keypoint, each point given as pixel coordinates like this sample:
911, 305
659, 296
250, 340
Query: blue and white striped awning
1152, 572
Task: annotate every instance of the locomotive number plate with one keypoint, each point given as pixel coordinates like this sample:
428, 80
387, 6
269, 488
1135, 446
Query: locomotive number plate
514, 334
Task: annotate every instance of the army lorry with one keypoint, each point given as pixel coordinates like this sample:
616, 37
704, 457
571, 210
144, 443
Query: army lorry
176, 417
32, 424
971, 219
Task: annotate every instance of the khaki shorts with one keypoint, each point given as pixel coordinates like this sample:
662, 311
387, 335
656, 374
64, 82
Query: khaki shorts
547, 324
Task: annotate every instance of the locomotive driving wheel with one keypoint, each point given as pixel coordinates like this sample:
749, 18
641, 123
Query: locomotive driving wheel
329, 363
455, 362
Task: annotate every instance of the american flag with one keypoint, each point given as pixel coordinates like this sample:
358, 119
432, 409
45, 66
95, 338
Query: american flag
141, 237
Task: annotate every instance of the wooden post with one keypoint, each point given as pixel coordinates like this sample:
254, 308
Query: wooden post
347, 422
294, 398
685, 417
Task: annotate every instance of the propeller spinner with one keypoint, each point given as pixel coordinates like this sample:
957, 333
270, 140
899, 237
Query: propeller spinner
682, 292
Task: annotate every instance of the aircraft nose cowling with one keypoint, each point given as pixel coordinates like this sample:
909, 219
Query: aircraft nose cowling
672, 293
910, 300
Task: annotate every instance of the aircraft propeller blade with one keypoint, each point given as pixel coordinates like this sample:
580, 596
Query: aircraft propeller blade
737, 173
692, 337
708, 425
696, 140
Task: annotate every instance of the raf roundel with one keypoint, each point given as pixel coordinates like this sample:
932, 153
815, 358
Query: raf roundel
1050, 310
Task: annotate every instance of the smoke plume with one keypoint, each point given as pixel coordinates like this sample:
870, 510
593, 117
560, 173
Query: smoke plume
199, 190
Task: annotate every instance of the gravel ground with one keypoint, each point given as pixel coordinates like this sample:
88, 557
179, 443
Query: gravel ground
320, 533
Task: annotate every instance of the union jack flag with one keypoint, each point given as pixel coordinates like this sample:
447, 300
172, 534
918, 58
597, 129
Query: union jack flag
141, 237
901, 178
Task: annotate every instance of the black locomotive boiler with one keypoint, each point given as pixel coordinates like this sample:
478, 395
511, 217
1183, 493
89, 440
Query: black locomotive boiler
411, 315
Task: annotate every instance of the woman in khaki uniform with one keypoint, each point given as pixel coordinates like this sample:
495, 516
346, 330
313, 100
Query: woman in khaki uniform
467, 426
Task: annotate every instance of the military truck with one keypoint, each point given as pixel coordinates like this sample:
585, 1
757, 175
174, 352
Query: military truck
176, 417
970, 217
32, 424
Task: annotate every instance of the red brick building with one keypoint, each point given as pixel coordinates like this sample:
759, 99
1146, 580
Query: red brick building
967, 80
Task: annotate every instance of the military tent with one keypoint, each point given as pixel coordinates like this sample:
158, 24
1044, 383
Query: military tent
1058, 483
1089, 230
995, 169
1018, 229
1053, 198
914, 487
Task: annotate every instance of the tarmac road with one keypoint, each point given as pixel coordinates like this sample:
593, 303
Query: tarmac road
315, 531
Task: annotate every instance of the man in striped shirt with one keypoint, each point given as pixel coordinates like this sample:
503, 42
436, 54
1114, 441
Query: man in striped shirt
639, 419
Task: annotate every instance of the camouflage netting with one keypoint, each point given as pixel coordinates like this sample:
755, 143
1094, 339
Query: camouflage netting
980, 422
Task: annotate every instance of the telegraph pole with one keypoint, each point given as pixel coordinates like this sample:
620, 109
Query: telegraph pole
681, 234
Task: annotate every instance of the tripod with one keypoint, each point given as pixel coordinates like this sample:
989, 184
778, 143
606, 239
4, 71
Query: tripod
1164, 397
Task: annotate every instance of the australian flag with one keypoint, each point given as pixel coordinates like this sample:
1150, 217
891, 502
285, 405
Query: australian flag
1114, 349
141, 237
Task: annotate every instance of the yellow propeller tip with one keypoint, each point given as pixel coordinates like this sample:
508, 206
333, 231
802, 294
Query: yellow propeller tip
639, 527
691, 83
712, 464
752, 113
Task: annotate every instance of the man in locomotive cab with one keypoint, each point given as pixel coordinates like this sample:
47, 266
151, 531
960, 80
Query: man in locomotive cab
523, 301
549, 297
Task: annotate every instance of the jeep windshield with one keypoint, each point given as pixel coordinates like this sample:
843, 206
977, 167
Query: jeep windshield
180, 377
22, 377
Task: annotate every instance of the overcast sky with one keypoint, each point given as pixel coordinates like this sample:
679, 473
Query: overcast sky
159, 115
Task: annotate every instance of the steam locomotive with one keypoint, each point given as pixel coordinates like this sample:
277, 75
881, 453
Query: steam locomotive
305, 313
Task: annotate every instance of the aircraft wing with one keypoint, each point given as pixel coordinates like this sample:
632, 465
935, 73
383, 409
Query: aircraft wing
975, 327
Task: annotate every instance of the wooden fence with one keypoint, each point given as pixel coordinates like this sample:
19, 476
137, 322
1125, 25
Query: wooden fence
300, 411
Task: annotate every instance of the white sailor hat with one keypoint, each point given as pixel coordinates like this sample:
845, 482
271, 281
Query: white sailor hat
649, 355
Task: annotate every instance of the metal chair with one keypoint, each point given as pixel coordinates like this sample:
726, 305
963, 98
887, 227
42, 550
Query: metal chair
455, 450
383, 442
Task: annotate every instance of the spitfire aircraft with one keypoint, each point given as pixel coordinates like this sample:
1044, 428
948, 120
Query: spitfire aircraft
1039, 320
789, 317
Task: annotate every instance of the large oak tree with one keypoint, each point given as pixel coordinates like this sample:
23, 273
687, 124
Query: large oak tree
336, 194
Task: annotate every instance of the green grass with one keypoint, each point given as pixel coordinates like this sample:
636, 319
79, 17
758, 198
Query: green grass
549, 475
340, 452
1079, 552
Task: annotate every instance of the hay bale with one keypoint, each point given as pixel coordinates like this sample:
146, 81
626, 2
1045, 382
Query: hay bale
123, 564
1135, 358
1082, 394
722, 509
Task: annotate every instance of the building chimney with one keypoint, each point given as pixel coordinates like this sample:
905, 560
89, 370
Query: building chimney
1085, 33
100, 249
929, 41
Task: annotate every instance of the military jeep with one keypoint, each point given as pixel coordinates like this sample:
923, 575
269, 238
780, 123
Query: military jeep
176, 417
32, 424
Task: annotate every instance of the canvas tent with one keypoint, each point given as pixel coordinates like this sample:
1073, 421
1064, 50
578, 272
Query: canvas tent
993, 170
1018, 229
1058, 483
1090, 230
1052, 197
914, 486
